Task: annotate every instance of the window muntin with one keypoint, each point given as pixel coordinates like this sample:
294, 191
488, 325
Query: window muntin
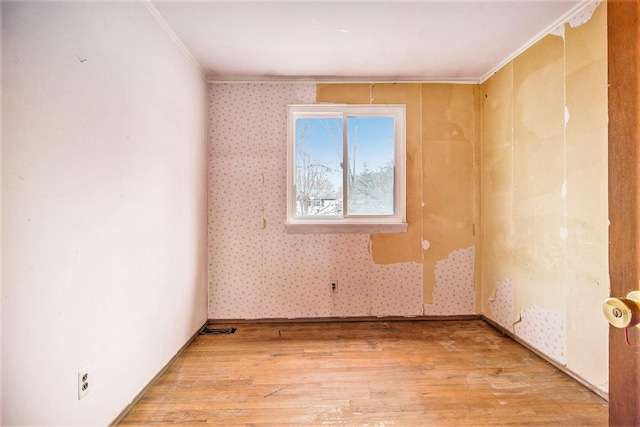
369, 140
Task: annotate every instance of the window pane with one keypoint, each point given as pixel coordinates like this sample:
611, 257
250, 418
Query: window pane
370, 179
318, 167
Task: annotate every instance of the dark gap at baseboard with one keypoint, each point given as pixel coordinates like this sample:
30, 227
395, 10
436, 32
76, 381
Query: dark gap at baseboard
345, 319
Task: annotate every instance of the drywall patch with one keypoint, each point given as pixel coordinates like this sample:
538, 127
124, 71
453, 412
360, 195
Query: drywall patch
544, 329
584, 15
454, 291
564, 233
501, 304
425, 245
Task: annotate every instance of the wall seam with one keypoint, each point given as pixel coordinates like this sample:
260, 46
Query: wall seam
262, 197
422, 236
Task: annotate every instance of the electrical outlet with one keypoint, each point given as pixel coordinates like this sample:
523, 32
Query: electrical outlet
334, 286
84, 381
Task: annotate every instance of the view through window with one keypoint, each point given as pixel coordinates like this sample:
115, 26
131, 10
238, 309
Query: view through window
346, 163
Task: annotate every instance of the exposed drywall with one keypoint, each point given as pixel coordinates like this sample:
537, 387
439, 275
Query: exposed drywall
539, 174
544, 196
586, 195
448, 135
496, 180
442, 125
103, 210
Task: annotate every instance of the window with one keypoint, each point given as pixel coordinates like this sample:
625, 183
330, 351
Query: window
346, 169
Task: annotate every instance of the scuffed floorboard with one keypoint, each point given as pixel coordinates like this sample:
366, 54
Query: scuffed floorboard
405, 373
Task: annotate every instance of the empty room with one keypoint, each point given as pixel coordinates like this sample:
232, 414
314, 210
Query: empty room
292, 213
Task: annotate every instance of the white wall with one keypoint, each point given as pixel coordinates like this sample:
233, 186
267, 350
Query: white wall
104, 207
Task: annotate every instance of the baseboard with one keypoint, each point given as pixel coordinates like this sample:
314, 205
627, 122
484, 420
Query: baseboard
344, 319
547, 359
155, 379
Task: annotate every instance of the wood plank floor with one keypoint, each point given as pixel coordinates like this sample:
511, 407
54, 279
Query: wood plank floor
405, 373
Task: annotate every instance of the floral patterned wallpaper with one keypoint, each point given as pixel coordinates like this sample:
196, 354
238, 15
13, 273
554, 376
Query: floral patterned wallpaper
256, 269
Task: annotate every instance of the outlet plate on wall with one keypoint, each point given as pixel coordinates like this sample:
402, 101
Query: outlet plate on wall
84, 380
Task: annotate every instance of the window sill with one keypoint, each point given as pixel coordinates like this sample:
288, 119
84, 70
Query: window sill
324, 228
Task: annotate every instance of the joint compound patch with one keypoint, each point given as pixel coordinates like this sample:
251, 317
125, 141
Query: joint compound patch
564, 233
544, 329
425, 245
502, 306
454, 291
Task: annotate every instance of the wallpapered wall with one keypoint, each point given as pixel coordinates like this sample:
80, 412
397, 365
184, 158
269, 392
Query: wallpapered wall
257, 270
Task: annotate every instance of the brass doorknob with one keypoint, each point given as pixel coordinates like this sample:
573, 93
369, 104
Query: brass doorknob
623, 312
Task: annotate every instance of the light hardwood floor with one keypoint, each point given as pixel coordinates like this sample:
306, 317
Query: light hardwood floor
405, 373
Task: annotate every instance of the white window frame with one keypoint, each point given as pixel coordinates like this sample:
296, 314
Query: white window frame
369, 224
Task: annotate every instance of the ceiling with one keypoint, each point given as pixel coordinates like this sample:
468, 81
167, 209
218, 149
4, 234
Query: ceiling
446, 40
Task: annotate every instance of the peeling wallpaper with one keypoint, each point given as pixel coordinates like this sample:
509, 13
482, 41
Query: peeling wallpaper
544, 329
454, 291
544, 262
443, 125
401, 247
501, 304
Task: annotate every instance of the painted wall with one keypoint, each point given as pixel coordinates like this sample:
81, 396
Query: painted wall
103, 210
544, 233
257, 270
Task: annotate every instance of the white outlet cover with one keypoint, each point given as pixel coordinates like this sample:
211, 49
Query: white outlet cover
84, 382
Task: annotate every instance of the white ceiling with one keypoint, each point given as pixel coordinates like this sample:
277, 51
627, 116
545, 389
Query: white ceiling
446, 40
